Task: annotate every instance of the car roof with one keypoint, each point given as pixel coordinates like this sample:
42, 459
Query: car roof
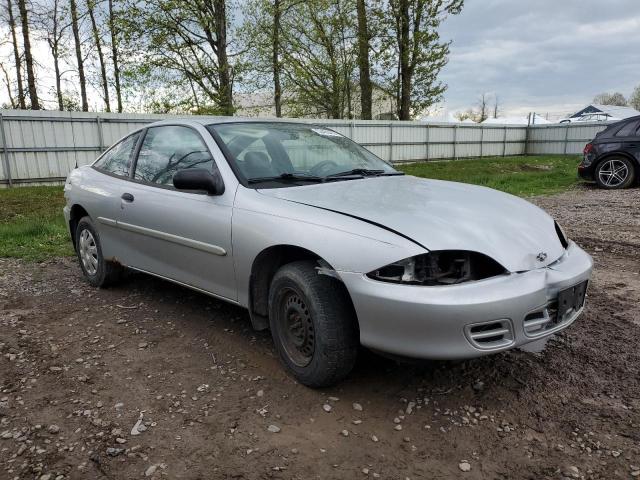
220, 120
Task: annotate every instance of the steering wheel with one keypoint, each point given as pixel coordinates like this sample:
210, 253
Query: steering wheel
322, 166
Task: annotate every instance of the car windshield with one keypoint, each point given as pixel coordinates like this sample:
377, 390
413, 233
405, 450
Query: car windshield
287, 153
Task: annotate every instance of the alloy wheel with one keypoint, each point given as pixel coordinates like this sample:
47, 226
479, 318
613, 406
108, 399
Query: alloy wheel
613, 173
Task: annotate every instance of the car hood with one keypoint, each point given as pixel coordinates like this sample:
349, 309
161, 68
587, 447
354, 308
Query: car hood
442, 215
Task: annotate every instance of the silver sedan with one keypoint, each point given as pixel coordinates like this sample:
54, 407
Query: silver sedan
324, 243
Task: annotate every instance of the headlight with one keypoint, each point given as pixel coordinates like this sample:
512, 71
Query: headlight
445, 267
564, 240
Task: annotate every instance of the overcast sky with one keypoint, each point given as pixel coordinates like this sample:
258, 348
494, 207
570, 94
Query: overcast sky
543, 55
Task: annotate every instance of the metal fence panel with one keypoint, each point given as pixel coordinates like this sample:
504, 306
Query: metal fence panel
40, 146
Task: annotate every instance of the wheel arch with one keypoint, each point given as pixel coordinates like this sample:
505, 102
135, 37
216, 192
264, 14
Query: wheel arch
75, 214
264, 267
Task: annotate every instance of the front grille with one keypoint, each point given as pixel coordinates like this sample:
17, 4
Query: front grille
490, 335
539, 322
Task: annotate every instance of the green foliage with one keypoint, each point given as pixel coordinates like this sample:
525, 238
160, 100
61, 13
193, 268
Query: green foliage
522, 176
32, 224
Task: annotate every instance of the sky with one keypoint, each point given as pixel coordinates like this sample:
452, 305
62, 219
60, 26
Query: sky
548, 56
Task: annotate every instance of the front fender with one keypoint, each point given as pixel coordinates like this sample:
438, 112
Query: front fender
346, 243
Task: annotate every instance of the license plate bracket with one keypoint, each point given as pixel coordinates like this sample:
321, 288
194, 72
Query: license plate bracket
570, 300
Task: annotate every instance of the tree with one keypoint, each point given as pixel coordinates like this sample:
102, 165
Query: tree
183, 44
634, 99
496, 106
16, 56
320, 58
75, 27
483, 108
615, 98
52, 24
97, 39
28, 56
114, 54
7, 82
414, 54
364, 66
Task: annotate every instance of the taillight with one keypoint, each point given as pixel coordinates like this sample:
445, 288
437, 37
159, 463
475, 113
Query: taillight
587, 148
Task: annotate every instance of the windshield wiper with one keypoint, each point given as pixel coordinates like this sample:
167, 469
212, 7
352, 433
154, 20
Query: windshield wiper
364, 172
287, 176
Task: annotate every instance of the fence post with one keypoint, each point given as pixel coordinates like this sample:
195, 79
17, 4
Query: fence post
351, 129
428, 140
566, 138
100, 134
455, 141
5, 148
504, 142
390, 142
481, 141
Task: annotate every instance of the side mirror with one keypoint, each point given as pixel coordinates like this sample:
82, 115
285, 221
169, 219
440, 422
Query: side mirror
199, 179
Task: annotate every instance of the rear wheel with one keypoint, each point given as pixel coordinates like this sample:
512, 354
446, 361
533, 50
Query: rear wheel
313, 325
97, 271
615, 173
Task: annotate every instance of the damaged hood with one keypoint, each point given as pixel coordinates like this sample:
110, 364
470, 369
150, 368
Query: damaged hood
442, 215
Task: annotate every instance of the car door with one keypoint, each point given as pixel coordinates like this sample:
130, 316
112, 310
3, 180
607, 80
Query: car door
183, 236
102, 192
632, 141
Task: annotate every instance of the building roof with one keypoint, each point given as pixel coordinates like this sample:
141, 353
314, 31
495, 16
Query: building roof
613, 111
538, 120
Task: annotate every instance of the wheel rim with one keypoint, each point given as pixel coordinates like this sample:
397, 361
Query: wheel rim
613, 173
295, 329
88, 252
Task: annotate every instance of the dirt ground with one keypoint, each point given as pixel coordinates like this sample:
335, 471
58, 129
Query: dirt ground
79, 367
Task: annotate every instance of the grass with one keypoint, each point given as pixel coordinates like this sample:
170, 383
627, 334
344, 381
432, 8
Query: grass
32, 226
31, 223
522, 176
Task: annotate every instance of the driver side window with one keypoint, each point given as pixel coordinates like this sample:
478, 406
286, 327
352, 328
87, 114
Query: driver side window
167, 149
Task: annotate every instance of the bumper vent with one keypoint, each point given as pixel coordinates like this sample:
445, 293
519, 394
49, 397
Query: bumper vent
490, 335
539, 322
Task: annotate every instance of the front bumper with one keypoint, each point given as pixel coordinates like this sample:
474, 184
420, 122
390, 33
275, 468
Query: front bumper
467, 320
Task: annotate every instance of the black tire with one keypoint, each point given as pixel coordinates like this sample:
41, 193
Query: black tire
98, 272
321, 305
610, 181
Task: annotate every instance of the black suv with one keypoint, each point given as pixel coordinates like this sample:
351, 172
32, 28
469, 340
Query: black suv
612, 159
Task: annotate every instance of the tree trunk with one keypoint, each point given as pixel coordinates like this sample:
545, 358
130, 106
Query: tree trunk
28, 58
224, 74
363, 62
76, 38
114, 55
404, 102
103, 68
277, 89
16, 56
53, 45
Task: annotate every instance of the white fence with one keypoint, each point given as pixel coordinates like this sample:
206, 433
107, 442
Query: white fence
42, 146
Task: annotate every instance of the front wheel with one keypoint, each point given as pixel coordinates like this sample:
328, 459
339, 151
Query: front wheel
96, 269
615, 173
313, 325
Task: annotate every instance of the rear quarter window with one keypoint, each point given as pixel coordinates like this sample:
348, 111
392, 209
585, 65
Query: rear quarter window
628, 129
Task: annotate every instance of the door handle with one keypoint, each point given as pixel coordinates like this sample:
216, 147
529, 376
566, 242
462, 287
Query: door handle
127, 197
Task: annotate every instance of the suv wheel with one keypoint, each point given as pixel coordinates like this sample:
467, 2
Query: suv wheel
97, 271
313, 325
615, 173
